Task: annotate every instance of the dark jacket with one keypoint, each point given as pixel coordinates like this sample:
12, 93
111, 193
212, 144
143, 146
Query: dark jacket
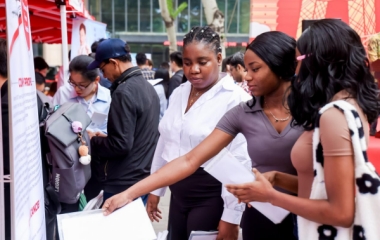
175, 81
124, 157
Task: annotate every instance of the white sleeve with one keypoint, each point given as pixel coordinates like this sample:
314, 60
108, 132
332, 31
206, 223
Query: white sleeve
157, 163
233, 211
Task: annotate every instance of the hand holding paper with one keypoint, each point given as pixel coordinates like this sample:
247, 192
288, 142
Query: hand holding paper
260, 190
228, 170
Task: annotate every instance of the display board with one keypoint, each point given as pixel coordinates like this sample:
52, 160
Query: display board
27, 196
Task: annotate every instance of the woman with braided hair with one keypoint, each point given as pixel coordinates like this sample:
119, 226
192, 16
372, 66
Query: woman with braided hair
194, 110
264, 121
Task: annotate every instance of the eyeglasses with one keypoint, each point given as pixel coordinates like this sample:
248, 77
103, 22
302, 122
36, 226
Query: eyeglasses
79, 86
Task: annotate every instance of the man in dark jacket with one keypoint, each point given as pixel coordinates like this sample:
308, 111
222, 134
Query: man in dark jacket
124, 157
176, 67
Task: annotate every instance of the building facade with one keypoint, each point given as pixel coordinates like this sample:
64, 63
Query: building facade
139, 22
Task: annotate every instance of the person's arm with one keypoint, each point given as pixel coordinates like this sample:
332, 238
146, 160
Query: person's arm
338, 208
122, 119
282, 180
172, 172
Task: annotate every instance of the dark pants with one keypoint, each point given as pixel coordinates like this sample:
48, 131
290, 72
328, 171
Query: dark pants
257, 227
195, 205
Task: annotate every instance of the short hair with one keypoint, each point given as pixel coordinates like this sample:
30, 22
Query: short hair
40, 79
40, 63
225, 62
203, 35
80, 63
3, 58
236, 59
95, 45
82, 26
141, 59
177, 58
165, 65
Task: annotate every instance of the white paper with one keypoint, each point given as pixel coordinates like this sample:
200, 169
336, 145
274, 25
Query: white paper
98, 119
162, 235
94, 203
155, 81
228, 170
128, 222
202, 235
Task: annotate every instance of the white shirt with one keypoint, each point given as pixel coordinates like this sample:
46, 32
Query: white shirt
100, 103
180, 132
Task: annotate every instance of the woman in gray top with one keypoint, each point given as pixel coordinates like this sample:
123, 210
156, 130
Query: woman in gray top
265, 123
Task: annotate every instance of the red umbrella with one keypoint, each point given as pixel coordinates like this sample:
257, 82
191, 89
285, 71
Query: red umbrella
45, 19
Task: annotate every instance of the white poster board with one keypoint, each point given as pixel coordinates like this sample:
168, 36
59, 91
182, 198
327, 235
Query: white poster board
27, 196
84, 33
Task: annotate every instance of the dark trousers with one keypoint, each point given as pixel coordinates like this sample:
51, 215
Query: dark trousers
257, 227
195, 205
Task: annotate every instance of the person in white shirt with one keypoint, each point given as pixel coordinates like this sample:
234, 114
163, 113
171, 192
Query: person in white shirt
195, 108
83, 87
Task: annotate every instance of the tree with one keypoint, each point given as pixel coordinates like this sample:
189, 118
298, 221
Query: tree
215, 19
169, 15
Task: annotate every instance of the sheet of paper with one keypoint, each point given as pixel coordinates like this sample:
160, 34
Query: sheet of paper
128, 222
98, 119
201, 235
162, 235
228, 170
155, 81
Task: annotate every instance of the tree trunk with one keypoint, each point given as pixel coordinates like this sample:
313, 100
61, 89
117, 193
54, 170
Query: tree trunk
169, 24
215, 19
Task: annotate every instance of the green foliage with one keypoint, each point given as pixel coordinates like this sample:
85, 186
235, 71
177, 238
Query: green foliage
174, 13
180, 8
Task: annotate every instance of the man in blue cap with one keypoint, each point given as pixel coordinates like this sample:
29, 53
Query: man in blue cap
124, 156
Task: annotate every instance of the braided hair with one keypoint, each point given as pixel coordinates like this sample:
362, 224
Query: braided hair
203, 35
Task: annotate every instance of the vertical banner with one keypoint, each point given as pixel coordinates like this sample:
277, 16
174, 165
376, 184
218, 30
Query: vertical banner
83, 34
27, 196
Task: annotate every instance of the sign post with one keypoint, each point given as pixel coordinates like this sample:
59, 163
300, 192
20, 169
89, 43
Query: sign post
27, 195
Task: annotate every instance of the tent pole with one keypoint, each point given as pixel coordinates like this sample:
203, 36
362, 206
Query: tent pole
65, 60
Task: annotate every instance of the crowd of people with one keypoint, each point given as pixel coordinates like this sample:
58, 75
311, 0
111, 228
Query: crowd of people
163, 126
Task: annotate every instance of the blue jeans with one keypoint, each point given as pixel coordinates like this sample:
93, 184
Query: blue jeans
107, 195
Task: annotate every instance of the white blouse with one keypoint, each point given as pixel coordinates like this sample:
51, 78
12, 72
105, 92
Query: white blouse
180, 132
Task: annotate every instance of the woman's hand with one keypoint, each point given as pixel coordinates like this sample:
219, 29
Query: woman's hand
152, 209
227, 231
100, 134
261, 190
271, 177
115, 202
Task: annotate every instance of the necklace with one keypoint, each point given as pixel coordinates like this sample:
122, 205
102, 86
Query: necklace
199, 93
278, 119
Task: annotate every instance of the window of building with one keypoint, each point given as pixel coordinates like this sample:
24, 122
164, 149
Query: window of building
158, 23
119, 15
106, 14
182, 18
231, 17
132, 15
195, 12
145, 15
244, 16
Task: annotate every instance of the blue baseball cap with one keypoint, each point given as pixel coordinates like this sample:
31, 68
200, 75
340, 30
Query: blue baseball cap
109, 48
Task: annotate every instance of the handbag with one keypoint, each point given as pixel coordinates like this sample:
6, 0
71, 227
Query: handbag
367, 186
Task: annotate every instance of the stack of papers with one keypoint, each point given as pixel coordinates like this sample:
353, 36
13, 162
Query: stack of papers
128, 222
202, 235
228, 170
